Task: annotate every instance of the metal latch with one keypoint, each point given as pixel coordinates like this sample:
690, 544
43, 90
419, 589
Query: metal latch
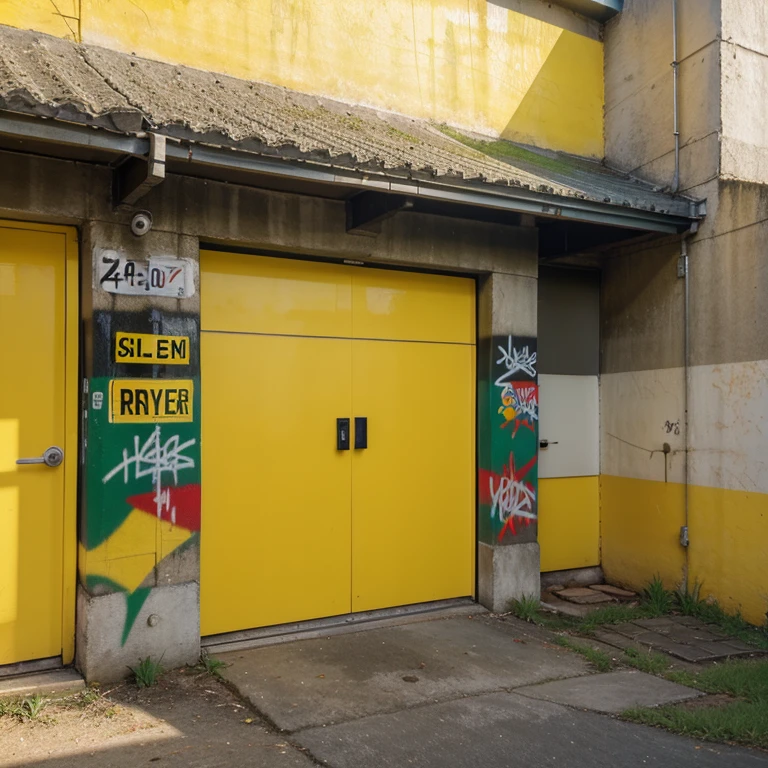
546, 443
52, 457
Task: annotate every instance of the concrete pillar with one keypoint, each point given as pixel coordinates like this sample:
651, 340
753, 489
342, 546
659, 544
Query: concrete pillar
138, 587
508, 552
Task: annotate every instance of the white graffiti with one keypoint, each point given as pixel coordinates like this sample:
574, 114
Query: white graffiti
515, 360
154, 458
512, 498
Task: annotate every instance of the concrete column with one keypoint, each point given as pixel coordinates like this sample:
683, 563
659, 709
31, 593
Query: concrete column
508, 552
138, 590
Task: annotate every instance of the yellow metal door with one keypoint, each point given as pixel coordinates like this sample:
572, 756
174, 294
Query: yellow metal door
292, 527
35, 555
275, 543
413, 488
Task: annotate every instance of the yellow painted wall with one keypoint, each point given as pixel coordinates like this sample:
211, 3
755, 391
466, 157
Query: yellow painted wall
569, 523
60, 18
469, 63
640, 530
729, 548
728, 530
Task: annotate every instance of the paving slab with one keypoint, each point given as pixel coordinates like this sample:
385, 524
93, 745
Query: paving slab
504, 730
595, 597
330, 680
609, 589
583, 595
612, 692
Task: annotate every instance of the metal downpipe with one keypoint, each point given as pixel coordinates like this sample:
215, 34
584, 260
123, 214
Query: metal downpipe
684, 536
675, 100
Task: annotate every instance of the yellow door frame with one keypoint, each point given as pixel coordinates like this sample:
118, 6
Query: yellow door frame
71, 452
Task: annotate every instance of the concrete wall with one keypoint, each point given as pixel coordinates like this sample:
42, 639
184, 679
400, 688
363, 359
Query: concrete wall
643, 365
744, 56
528, 72
639, 122
139, 572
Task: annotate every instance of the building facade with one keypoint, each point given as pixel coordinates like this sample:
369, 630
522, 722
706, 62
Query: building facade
324, 311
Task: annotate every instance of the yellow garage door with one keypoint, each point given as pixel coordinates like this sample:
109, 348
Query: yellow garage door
338, 439
38, 416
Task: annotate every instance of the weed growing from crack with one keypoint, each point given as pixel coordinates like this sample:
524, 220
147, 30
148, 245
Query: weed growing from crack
657, 599
599, 659
526, 608
211, 665
646, 661
146, 672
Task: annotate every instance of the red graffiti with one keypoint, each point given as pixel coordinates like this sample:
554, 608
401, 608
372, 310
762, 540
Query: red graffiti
509, 495
179, 505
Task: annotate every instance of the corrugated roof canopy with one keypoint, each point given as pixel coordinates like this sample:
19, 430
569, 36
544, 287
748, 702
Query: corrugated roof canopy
46, 76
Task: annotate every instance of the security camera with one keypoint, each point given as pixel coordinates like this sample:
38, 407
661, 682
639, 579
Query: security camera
141, 223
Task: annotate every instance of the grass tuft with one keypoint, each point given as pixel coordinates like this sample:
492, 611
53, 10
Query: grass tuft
646, 661
29, 708
689, 602
146, 673
212, 666
744, 721
657, 600
599, 659
526, 608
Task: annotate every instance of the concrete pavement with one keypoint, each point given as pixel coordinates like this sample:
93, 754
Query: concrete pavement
463, 691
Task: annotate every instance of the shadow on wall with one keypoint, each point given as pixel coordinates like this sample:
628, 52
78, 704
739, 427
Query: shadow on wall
565, 100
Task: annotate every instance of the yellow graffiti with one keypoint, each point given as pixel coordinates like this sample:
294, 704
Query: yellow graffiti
130, 554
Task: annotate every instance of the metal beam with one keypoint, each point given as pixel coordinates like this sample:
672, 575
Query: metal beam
600, 10
134, 178
497, 197
507, 198
71, 134
366, 211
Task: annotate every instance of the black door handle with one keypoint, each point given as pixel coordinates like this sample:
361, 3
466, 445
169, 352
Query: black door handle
361, 431
342, 434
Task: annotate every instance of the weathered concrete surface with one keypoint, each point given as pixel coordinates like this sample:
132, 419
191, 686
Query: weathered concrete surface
507, 573
505, 730
330, 680
173, 637
187, 720
612, 693
744, 154
638, 90
55, 681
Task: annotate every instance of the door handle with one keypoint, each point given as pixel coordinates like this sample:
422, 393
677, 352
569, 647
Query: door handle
361, 432
52, 457
547, 443
342, 434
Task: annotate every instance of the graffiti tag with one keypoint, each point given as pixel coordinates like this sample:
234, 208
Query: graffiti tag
515, 361
672, 426
511, 497
155, 458
519, 405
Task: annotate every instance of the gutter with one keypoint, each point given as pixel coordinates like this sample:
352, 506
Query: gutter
498, 197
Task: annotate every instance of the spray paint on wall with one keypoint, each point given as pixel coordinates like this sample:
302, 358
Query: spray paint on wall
508, 488
142, 501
